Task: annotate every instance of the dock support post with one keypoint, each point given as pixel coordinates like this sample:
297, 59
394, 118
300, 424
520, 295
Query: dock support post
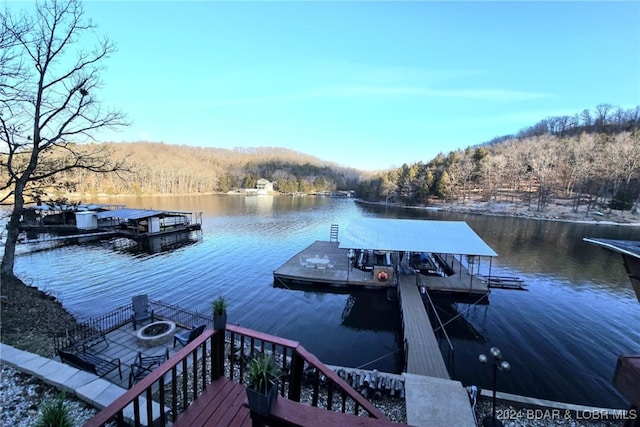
490, 266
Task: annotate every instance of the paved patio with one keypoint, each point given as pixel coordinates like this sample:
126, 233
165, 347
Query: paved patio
123, 345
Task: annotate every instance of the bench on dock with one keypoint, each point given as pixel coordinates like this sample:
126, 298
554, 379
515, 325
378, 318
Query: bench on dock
90, 362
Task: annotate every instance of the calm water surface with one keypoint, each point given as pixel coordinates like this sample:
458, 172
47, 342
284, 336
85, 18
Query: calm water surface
561, 337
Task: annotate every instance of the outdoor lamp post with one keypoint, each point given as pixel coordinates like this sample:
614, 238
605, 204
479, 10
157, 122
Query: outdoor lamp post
503, 365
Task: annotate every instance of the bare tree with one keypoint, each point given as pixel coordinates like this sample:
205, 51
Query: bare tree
602, 113
586, 118
48, 108
10, 65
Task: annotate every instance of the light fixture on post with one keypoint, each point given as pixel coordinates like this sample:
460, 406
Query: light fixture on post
503, 365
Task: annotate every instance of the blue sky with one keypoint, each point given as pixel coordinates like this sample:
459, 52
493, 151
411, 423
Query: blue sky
370, 85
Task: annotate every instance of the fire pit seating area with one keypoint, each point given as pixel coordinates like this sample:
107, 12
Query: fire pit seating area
156, 333
186, 337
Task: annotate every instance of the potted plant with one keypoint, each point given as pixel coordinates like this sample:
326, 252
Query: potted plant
262, 383
219, 309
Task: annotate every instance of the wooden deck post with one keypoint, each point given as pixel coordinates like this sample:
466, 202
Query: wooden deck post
217, 354
295, 382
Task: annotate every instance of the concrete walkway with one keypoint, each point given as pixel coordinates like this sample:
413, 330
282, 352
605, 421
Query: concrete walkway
85, 386
432, 401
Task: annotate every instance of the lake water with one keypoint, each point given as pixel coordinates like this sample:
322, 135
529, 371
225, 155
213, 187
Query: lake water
562, 337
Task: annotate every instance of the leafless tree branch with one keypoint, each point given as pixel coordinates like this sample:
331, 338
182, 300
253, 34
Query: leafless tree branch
48, 108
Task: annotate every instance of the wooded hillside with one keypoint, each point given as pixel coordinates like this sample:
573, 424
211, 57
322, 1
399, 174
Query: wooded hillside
591, 161
159, 168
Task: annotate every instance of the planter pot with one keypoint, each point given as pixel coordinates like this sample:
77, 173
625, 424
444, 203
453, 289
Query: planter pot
220, 322
261, 403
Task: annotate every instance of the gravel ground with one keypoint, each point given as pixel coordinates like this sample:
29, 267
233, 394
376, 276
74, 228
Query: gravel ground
21, 395
515, 416
29, 317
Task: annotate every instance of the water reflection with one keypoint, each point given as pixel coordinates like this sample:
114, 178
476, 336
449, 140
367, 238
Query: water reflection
157, 244
358, 306
357, 313
452, 315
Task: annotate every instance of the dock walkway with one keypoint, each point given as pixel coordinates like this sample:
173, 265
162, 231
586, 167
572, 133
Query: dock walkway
431, 397
423, 352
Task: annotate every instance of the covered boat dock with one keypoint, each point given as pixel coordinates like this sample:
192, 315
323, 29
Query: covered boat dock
142, 223
452, 254
409, 257
46, 223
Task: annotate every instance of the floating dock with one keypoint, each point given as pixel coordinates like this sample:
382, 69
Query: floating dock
340, 272
460, 282
136, 224
411, 258
504, 282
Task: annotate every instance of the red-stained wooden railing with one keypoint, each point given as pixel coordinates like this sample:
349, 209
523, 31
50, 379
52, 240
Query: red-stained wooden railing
297, 363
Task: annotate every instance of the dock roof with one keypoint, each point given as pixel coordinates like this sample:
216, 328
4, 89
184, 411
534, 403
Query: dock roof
625, 247
446, 237
130, 213
630, 251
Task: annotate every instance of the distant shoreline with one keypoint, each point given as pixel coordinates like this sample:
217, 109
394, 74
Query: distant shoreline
560, 211
556, 212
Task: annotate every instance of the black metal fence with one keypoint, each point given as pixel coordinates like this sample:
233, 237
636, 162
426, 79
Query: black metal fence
88, 330
180, 316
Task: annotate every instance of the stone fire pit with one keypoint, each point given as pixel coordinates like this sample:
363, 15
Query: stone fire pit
156, 333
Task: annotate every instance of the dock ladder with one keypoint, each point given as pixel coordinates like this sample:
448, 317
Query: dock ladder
333, 235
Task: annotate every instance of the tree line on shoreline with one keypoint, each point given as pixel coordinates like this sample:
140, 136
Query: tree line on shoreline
598, 166
594, 164
158, 168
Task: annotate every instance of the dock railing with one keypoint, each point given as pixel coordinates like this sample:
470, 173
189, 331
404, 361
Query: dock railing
167, 392
439, 329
